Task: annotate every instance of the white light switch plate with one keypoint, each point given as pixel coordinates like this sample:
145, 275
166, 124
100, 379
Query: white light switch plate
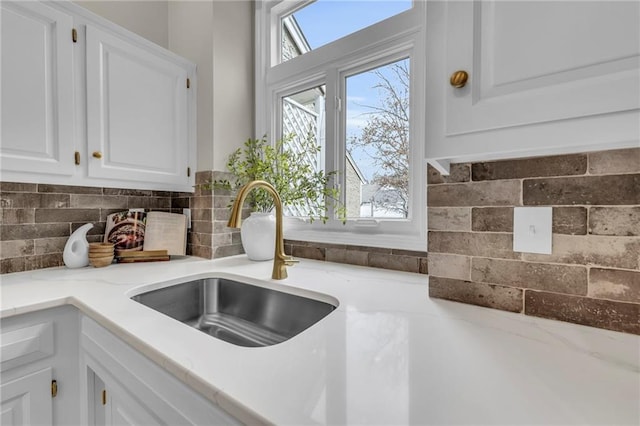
532, 229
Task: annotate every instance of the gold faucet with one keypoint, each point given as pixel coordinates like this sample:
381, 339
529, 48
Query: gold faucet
280, 260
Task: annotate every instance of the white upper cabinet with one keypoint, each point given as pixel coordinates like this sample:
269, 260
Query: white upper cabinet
86, 102
543, 78
37, 89
137, 126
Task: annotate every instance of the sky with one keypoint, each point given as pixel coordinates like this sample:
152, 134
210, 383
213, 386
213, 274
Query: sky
327, 20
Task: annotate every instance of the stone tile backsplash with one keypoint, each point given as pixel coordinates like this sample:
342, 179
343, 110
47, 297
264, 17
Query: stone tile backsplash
37, 219
592, 276
384, 258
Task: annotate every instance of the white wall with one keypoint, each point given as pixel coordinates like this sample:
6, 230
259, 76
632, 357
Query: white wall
145, 18
233, 70
191, 29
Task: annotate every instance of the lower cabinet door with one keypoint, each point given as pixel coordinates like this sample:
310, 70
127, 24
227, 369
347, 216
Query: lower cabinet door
126, 388
115, 406
27, 400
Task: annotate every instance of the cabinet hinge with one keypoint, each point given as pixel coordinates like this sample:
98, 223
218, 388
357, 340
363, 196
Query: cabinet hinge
188, 171
74, 35
104, 397
54, 388
188, 83
76, 158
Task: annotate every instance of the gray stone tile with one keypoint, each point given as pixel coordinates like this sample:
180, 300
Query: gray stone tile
50, 245
8, 266
219, 240
202, 251
99, 201
16, 248
473, 244
424, 266
562, 165
614, 284
363, 248
540, 276
128, 192
66, 189
493, 219
25, 200
621, 221
17, 216
615, 252
67, 215
180, 203
570, 220
486, 295
308, 252
607, 314
449, 266
395, 263
18, 187
203, 203
203, 214
458, 173
227, 251
149, 203
414, 253
29, 232
222, 201
351, 257
615, 161
585, 190
475, 194
203, 176
202, 227
449, 218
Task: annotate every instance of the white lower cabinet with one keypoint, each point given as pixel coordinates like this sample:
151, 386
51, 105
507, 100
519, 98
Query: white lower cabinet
37, 349
123, 387
61, 368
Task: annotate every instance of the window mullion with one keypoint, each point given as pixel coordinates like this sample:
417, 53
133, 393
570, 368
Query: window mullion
332, 149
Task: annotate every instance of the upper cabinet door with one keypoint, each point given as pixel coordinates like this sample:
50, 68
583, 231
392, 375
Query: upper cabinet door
137, 112
37, 124
542, 76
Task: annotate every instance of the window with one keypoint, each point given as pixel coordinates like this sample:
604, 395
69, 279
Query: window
307, 27
377, 142
360, 97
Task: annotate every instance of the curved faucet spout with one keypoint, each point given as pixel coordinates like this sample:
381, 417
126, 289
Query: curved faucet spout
280, 259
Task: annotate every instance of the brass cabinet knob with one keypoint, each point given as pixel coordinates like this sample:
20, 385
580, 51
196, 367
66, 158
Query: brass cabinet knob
459, 79
97, 154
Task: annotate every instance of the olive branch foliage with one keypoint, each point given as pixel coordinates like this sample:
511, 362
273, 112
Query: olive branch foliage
290, 173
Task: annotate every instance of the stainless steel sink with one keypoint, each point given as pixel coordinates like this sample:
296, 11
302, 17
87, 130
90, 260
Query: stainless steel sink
237, 312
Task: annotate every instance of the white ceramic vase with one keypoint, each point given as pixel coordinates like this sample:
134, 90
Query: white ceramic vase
258, 234
76, 250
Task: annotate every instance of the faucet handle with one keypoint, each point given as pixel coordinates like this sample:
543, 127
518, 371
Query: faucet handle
290, 261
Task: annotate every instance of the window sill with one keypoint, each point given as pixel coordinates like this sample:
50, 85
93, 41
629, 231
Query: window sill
416, 241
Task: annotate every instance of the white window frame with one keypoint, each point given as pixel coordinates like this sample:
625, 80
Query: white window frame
395, 38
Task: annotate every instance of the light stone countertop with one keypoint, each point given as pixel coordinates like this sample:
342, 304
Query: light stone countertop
387, 355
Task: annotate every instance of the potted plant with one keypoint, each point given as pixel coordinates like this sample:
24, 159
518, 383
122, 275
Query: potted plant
289, 169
